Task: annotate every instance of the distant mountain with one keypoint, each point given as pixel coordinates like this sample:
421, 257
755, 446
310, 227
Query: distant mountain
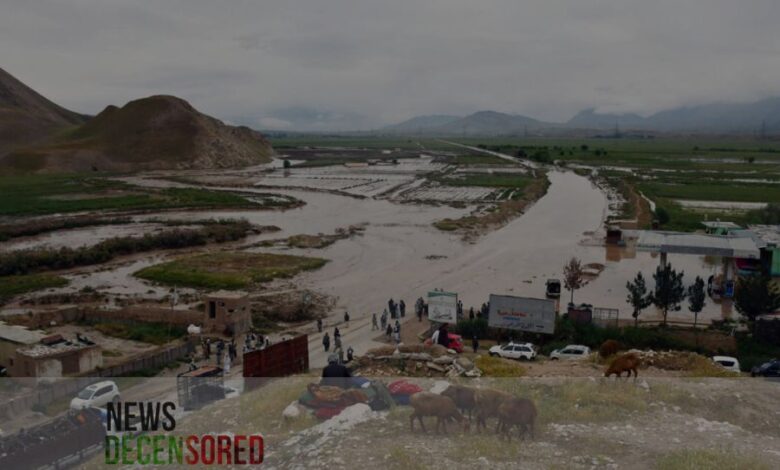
158, 132
743, 118
27, 117
421, 123
479, 123
304, 119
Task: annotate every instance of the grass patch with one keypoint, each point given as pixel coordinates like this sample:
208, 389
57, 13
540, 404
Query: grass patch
15, 285
695, 459
23, 195
228, 270
712, 191
499, 367
152, 333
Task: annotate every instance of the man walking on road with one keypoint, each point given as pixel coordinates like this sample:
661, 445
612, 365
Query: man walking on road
319, 325
402, 308
346, 317
384, 319
374, 325
326, 342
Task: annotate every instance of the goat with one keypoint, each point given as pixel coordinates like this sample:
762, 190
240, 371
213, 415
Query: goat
520, 412
431, 404
624, 363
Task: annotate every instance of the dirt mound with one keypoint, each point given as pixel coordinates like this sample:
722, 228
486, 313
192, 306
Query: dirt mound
435, 350
26, 116
689, 362
158, 132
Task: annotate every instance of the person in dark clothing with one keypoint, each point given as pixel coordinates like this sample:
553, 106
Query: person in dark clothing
346, 318
444, 336
389, 331
319, 325
402, 308
391, 308
475, 343
336, 332
335, 374
350, 354
326, 342
471, 314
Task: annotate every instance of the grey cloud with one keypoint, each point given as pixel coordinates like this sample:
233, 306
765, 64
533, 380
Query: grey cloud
374, 62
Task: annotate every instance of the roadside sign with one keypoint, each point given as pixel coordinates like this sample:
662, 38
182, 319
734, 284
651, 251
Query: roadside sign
442, 306
522, 313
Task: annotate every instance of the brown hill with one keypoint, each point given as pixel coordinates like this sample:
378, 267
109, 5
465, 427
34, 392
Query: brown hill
26, 117
158, 132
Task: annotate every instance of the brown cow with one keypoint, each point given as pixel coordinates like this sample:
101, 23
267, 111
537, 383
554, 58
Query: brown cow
487, 402
462, 396
625, 363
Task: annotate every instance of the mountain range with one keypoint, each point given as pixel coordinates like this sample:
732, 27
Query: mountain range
157, 132
717, 118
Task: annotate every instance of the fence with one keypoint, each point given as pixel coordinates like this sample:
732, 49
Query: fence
42, 394
279, 360
606, 317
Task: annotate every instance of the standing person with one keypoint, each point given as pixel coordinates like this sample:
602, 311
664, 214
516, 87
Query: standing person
384, 319
350, 354
319, 325
444, 336
346, 317
388, 331
340, 352
219, 354
207, 349
475, 343
226, 365
335, 374
402, 308
391, 307
337, 342
374, 324
326, 342
397, 337
398, 326
192, 365
336, 333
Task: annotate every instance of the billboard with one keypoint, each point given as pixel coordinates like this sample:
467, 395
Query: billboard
522, 313
442, 306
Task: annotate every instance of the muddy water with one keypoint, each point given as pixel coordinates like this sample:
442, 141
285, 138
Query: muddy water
517, 259
78, 237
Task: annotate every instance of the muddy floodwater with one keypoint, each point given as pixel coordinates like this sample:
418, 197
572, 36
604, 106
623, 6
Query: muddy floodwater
401, 255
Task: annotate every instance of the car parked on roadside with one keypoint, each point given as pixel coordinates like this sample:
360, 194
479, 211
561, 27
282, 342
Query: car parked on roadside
96, 395
572, 351
519, 351
727, 362
767, 369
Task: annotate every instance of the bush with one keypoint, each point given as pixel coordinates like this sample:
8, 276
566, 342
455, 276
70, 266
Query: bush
469, 328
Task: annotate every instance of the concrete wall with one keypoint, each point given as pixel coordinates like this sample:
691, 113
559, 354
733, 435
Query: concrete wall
90, 359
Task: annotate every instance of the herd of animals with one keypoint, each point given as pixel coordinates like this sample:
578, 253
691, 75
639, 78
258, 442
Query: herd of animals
511, 411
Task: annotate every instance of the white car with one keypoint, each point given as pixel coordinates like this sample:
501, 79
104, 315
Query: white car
96, 395
521, 351
727, 362
572, 351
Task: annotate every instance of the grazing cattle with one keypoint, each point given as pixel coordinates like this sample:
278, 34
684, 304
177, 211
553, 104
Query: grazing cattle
486, 406
462, 396
610, 347
625, 363
520, 412
431, 404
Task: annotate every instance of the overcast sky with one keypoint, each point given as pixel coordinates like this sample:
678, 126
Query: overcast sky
271, 62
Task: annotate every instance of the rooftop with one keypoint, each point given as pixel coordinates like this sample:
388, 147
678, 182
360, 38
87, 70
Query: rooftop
19, 334
768, 234
698, 244
228, 294
719, 224
44, 350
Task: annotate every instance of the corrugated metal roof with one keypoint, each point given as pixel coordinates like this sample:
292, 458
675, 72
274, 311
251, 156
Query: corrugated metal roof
19, 334
698, 244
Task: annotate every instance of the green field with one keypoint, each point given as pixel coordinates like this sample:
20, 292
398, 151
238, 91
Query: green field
228, 270
16, 285
50, 194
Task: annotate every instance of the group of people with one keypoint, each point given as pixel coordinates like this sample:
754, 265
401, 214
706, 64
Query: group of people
338, 351
226, 353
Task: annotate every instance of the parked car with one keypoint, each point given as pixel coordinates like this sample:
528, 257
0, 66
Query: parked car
572, 351
727, 362
521, 351
553, 288
767, 369
96, 395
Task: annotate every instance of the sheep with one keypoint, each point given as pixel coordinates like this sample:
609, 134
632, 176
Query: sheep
462, 396
624, 363
431, 404
487, 402
609, 348
520, 412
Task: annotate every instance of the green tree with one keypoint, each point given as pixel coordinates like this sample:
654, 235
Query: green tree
638, 297
696, 297
669, 290
662, 215
573, 276
755, 296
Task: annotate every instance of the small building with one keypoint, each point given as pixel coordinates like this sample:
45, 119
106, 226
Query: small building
54, 356
13, 337
228, 312
720, 228
767, 238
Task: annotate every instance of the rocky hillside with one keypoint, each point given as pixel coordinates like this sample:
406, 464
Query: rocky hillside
27, 117
158, 132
